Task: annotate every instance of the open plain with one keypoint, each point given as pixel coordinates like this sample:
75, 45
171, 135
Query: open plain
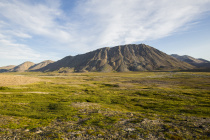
127, 105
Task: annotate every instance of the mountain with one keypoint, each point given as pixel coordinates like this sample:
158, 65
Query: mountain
203, 60
6, 68
30, 66
187, 58
40, 65
23, 67
121, 58
199, 63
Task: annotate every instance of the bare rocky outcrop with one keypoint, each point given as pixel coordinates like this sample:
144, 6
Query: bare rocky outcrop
121, 58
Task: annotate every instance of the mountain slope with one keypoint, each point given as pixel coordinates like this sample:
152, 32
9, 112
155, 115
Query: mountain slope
40, 65
23, 67
120, 58
6, 68
200, 63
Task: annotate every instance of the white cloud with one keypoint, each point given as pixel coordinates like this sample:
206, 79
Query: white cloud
26, 19
116, 22
11, 50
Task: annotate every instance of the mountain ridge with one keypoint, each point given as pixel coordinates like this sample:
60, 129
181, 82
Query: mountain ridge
25, 66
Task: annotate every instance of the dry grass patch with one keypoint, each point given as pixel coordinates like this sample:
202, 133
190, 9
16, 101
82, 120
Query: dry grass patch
7, 80
6, 93
85, 105
36, 92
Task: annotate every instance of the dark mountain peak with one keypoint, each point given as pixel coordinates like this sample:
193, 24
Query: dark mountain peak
130, 57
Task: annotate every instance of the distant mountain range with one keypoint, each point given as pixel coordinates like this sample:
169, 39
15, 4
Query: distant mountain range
132, 57
199, 63
26, 66
6, 68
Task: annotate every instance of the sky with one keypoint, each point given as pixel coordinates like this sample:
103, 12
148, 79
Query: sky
50, 30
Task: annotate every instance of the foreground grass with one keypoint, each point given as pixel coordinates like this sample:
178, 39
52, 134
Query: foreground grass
134, 105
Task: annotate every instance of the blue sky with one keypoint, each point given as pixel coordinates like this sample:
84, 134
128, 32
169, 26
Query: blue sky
45, 29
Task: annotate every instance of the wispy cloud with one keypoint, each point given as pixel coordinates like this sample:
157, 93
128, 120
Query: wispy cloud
25, 21
122, 21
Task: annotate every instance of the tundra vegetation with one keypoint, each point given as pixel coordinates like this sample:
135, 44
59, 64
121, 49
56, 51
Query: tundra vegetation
129, 105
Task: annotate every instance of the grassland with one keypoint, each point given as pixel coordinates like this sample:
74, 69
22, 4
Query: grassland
133, 105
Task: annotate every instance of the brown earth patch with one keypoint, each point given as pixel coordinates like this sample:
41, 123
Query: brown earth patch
7, 80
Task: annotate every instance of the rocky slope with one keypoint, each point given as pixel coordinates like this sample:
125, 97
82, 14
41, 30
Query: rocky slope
200, 63
122, 58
